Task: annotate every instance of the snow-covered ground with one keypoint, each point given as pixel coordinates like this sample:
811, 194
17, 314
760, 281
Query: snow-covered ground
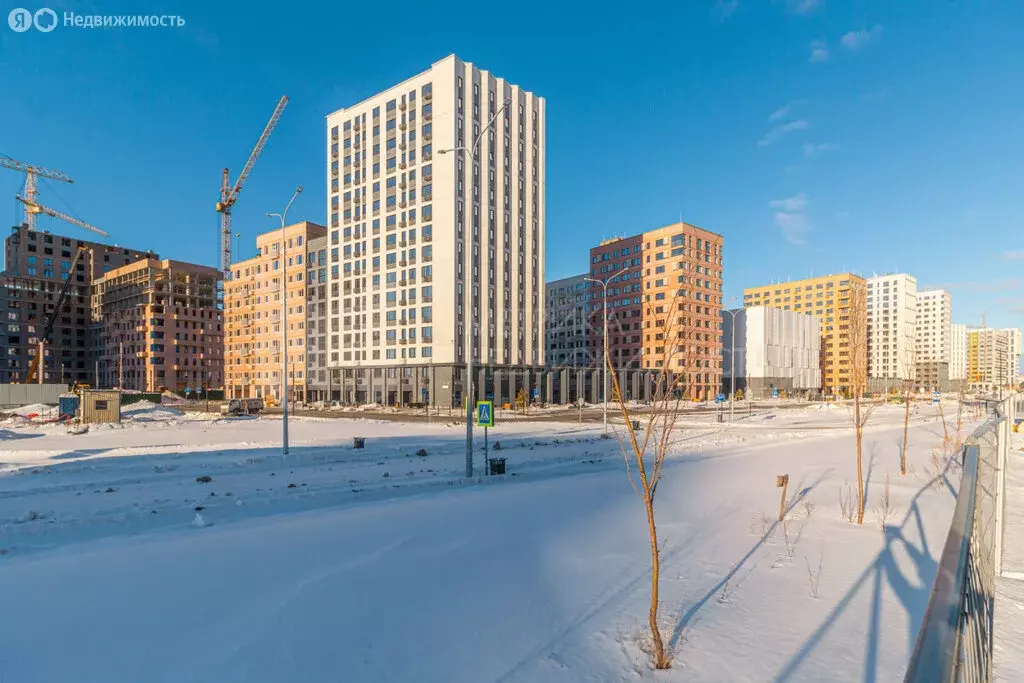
1008, 663
382, 565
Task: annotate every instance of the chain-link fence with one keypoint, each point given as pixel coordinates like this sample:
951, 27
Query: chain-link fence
955, 640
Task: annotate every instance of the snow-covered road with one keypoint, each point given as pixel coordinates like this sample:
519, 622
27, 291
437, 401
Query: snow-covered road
320, 568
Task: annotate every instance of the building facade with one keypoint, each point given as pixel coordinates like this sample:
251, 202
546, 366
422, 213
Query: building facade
253, 313
619, 263
958, 345
1014, 348
36, 265
159, 326
320, 386
775, 349
840, 301
892, 320
409, 217
683, 306
933, 350
992, 358
565, 340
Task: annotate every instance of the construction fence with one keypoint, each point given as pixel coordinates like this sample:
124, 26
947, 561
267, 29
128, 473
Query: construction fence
14, 395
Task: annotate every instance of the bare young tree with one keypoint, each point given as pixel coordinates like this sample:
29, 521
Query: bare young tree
853, 337
647, 442
909, 363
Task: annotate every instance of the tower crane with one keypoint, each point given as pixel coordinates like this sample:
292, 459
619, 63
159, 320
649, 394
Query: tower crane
229, 193
32, 208
31, 189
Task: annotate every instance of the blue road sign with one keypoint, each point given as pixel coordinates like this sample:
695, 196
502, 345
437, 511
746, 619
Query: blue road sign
936, 397
535, 393
775, 393
485, 414
720, 398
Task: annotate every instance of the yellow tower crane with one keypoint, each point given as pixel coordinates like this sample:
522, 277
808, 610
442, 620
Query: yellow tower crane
32, 206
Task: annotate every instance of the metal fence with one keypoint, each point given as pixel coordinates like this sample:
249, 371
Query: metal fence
14, 395
955, 640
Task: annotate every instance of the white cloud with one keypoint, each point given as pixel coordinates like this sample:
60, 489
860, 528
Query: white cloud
795, 204
819, 51
790, 216
1014, 255
783, 112
858, 39
810, 149
794, 227
804, 6
782, 130
723, 9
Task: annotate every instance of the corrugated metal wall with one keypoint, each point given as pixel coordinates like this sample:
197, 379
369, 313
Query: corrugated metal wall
14, 395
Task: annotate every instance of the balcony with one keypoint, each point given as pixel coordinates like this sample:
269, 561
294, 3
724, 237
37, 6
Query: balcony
402, 283
428, 299
334, 135
428, 96
403, 341
401, 105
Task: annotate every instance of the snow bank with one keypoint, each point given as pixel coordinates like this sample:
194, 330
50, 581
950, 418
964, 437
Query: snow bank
145, 411
35, 409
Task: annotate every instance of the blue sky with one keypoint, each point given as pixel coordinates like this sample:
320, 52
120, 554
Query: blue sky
817, 136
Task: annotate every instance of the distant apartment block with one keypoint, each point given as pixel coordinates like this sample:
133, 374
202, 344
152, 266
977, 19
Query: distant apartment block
253, 315
664, 300
1014, 348
933, 349
832, 298
414, 226
958, 345
565, 340
775, 349
619, 263
159, 326
320, 385
990, 359
683, 305
892, 319
36, 264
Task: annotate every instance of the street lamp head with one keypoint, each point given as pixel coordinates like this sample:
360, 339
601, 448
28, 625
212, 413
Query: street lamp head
298, 190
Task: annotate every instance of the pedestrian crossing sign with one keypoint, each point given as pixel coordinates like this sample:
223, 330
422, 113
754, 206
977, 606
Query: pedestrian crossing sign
485, 414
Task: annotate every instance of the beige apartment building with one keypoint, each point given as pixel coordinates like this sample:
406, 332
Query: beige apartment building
158, 326
840, 301
413, 225
683, 305
252, 309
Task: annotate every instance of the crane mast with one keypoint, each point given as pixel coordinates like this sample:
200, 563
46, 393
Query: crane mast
229, 193
31, 189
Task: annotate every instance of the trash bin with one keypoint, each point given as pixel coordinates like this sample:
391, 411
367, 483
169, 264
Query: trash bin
636, 425
497, 465
358, 442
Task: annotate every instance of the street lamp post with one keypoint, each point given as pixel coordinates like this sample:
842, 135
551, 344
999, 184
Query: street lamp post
468, 300
604, 369
732, 359
284, 323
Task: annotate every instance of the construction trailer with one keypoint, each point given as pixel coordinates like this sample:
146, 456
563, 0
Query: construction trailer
101, 407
